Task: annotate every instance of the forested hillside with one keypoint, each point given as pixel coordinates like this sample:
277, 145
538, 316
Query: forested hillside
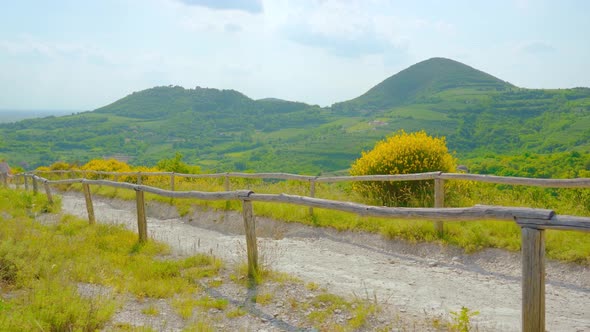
485, 120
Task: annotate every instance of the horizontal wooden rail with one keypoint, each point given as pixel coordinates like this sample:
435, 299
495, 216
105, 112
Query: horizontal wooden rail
559, 222
203, 195
550, 183
394, 177
477, 212
67, 181
536, 182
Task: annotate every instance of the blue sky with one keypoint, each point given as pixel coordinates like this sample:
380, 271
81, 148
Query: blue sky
81, 55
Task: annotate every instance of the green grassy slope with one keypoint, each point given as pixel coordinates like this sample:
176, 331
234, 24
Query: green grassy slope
419, 82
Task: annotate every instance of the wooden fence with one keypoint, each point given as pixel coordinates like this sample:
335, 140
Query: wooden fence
533, 222
438, 177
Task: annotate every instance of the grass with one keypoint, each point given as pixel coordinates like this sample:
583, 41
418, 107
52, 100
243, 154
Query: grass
150, 310
42, 266
326, 306
263, 299
187, 303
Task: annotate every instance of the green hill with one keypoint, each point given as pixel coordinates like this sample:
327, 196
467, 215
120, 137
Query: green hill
421, 81
223, 130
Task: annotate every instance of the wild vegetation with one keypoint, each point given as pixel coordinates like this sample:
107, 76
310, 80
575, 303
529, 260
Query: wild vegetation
42, 268
481, 116
66, 275
472, 236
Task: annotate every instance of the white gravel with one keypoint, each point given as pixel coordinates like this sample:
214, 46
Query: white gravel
412, 278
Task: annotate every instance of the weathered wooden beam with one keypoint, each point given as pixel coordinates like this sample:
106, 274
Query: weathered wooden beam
395, 177
311, 194
89, 205
477, 212
141, 217
550, 183
48, 192
533, 279
35, 185
67, 181
562, 222
251, 243
439, 202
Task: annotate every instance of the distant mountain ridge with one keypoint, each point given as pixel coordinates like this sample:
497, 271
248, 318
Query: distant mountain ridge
225, 130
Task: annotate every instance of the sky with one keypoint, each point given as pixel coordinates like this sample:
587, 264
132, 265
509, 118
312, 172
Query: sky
85, 54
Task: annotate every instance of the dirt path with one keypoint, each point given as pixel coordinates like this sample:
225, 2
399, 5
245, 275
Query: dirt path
414, 279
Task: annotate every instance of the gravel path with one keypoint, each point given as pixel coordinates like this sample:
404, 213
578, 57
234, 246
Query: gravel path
416, 279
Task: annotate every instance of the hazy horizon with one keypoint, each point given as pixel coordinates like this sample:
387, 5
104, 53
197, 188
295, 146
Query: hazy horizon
13, 115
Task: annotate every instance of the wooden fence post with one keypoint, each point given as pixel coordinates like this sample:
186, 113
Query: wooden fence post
26, 182
250, 229
89, 206
4, 179
35, 187
439, 202
226, 187
533, 279
139, 178
226, 184
172, 181
311, 193
141, 218
16, 181
48, 191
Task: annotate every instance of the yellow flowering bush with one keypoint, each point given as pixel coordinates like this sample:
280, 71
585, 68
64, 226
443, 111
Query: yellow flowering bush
403, 153
110, 165
151, 180
45, 171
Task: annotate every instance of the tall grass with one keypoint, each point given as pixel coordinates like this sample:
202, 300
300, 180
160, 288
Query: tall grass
41, 267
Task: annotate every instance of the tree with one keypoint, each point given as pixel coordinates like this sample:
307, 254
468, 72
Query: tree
176, 165
402, 153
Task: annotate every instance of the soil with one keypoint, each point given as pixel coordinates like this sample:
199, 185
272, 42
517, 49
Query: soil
415, 285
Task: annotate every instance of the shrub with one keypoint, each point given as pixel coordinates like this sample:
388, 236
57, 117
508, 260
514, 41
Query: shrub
402, 153
110, 165
176, 165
